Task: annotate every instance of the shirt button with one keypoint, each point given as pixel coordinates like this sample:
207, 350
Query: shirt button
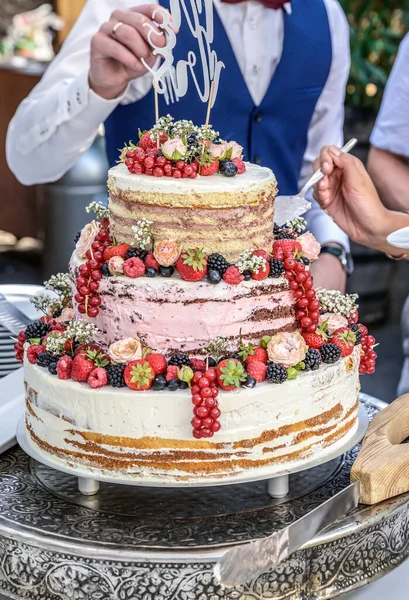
257, 159
255, 69
252, 24
258, 117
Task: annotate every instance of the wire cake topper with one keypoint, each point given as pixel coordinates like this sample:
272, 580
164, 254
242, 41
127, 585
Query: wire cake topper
172, 80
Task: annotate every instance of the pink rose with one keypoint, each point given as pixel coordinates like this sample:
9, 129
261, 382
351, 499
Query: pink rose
66, 315
287, 349
125, 351
116, 265
309, 245
87, 237
167, 253
334, 321
236, 150
218, 150
174, 149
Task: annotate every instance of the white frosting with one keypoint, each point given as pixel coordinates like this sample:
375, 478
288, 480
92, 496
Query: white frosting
251, 179
245, 414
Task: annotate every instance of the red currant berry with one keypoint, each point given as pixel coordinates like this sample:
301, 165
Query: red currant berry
362, 370
197, 433
206, 392
79, 298
206, 433
81, 281
158, 172
300, 314
161, 161
201, 411
94, 301
210, 402
93, 264
301, 277
314, 316
203, 382
196, 422
193, 175
307, 285
370, 340
215, 391
194, 167
96, 275
167, 169
310, 294
215, 413
289, 264
102, 236
306, 322
298, 294
300, 267
95, 246
129, 162
93, 286
197, 377
188, 170
82, 309
140, 156
210, 374
130, 154
370, 370
98, 257
372, 355
197, 400
93, 312
88, 254
84, 290
303, 303
177, 174
208, 422
149, 162
289, 276
314, 305
138, 169
369, 363
84, 270
311, 329
293, 285
180, 164
216, 426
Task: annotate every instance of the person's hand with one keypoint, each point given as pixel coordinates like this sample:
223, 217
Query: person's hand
117, 50
349, 196
328, 273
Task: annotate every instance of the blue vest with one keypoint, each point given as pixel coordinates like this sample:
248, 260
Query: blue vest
274, 133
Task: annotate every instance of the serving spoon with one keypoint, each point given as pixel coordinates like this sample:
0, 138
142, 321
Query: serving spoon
289, 207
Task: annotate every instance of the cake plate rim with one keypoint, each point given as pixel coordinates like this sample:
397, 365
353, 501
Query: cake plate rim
145, 481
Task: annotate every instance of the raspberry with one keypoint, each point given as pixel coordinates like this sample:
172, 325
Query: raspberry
158, 363
97, 378
134, 267
241, 166
258, 370
151, 262
172, 372
232, 276
198, 364
33, 352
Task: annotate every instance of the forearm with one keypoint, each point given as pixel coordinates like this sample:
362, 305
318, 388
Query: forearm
391, 221
390, 173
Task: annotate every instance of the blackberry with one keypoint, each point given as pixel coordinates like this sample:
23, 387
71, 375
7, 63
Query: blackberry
249, 383
358, 333
217, 262
136, 253
159, 383
330, 353
229, 169
247, 275
276, 373
115, 374
312, 360
276, 268
52, 367
105, 270
285, 234
214, 277
166, 271
44, 359
277, 229
172, 385
38, 329
77, 237
180, 360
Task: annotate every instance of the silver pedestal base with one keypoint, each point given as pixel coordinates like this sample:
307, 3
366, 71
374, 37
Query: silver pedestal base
132, 543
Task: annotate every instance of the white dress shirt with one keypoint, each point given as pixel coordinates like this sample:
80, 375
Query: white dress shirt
60, 118
391, 131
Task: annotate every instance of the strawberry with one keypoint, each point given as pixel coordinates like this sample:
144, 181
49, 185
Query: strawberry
345, 339
119, 250
258, 370
259, 355
232, 276
57, 334
81, 368
84, 348
208, 165
287, 246
151, 262
252, 352
158, 363
352, 319
262, 253
145, 142
97, 378
64, 367
318, 338
230, 374
139, 375
198, 365
262, 273
192, 264
33, 351
241, 165
172, 372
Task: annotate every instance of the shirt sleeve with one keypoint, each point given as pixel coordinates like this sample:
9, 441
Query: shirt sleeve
326, 126
60, 118
391, 131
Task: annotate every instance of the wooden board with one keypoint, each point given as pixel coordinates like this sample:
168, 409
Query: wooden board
69, 10
382, 465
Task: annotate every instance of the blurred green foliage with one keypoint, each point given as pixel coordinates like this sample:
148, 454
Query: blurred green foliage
377, 27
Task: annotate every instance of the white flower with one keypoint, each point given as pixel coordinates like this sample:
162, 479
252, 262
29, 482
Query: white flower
218, 150
116, 265
125, 351
87, 237
236, 150
174, 149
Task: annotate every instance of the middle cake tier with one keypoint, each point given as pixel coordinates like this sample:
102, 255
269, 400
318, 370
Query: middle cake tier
173, 315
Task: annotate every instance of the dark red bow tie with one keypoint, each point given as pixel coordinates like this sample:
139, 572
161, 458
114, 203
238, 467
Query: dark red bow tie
274, 4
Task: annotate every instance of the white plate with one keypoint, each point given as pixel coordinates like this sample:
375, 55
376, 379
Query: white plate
399, 238
11, 408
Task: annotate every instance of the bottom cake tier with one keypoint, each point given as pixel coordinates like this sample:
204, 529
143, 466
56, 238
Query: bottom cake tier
118, 431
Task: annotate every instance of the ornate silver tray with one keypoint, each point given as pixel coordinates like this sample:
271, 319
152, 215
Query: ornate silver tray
129, 543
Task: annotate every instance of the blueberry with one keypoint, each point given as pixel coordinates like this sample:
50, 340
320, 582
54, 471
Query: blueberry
159, 383
306, 261
191, 139
229, 169
105, 270
166, 271
151, 272
250, 382
183, 385
52, 368
247, 275
211, 362
173, 385
214, 277
222, 164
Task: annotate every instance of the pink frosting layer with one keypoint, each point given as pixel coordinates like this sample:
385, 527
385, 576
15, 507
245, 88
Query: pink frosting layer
172, 314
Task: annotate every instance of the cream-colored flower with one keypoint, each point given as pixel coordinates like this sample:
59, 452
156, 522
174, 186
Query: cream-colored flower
116, 265
236, 150
66, 315
125, 351
87, 237
287, 349
335, 321
174, 149
167, 252
218, 150
309, 245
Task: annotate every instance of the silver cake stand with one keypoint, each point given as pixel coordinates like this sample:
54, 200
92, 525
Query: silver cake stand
146, 543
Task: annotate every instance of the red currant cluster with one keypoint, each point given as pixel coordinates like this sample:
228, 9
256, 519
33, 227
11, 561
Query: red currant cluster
19, 346
301, 285
152, 162
90, 274
368, 355
206, 412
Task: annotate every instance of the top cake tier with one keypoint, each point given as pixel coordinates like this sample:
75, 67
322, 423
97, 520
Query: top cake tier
220, 214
